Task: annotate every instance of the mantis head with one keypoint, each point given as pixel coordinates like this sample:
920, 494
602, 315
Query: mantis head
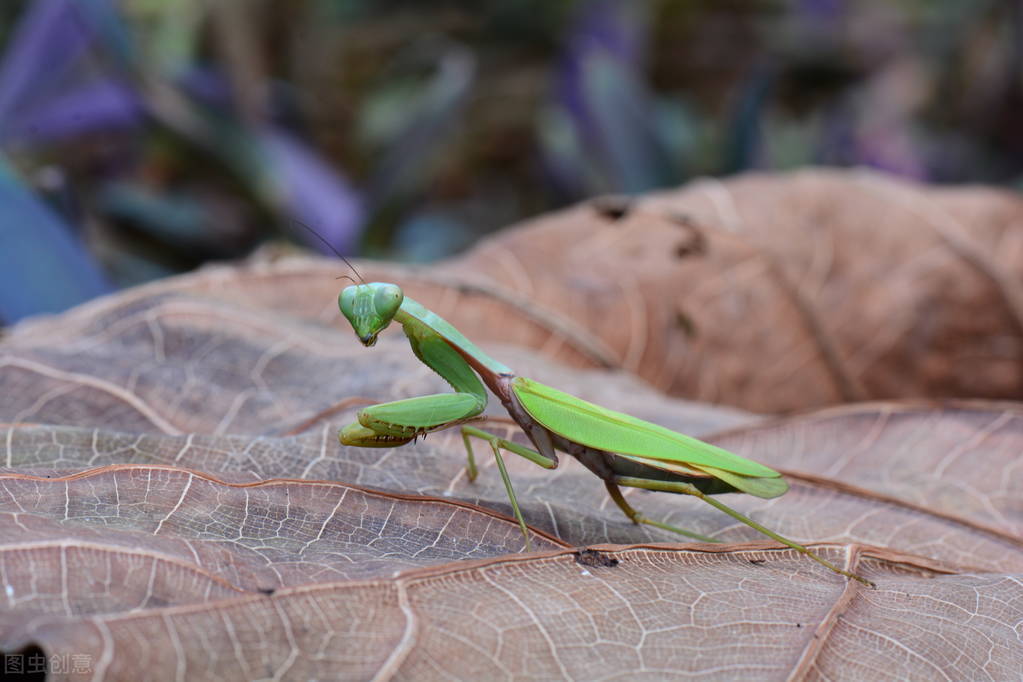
370, 308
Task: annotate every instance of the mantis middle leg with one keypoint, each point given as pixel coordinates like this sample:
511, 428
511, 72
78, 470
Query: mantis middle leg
497, 444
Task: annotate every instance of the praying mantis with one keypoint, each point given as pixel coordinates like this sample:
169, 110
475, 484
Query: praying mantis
620, 449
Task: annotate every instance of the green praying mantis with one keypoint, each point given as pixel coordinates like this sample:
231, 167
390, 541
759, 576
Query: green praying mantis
620, 449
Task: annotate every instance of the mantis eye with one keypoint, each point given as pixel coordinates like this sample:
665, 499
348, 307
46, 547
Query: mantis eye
346, 301
386, 300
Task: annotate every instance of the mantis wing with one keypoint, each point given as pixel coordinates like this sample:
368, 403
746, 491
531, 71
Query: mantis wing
603, 429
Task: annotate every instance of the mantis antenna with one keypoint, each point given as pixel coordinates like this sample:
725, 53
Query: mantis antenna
336, 252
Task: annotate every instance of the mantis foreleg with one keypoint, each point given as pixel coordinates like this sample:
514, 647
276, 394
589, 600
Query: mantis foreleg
401, 421
689, 489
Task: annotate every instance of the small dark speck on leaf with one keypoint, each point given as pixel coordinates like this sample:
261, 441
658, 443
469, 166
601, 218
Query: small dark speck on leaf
686, 324
799, 625
684, 249
267, 590
612, 206
695, 245
595, 559
757, 562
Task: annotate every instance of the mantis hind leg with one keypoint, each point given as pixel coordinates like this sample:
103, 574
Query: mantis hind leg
689, 489
497, 444
637, 517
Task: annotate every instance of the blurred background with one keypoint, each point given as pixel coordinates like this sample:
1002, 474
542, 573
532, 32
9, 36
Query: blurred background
141, 138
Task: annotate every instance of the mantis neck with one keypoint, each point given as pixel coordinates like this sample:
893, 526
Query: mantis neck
494, 374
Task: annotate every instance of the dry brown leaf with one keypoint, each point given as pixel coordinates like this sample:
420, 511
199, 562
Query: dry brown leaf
654, 613
770, 292
779, 292
174, 504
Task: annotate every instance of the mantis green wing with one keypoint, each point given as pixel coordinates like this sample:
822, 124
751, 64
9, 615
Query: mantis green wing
598, 427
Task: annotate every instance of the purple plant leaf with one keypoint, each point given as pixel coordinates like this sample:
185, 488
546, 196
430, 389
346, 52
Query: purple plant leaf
207, 86
622, 109
314, 193
46, 43
43, 266
892, 149
602, 26
823, 13
49, 89
103, 105
601, 87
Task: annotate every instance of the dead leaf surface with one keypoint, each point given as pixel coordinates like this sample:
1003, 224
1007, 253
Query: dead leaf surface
771, 292
174, 504
776, 292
